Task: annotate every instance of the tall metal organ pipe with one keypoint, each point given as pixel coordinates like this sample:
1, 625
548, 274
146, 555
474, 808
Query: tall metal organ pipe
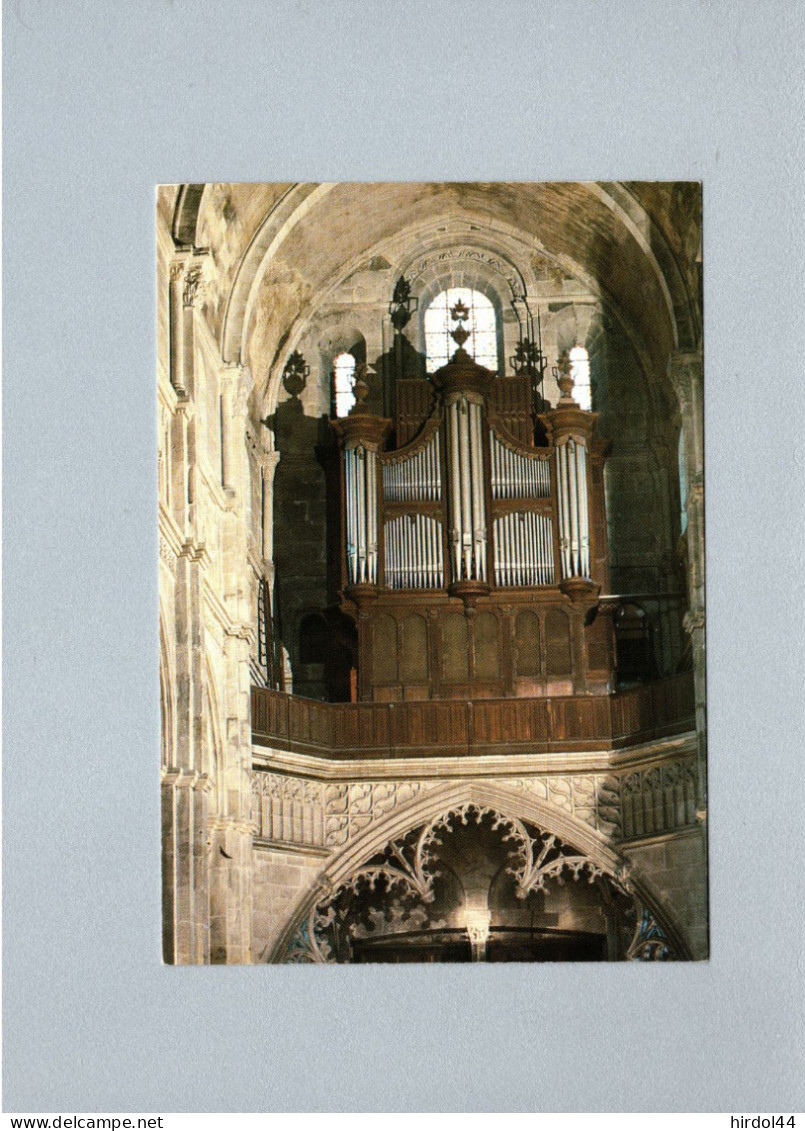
468, 537
574, 524
360, 475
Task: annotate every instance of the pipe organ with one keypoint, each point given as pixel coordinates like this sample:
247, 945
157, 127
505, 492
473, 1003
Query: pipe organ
478, 546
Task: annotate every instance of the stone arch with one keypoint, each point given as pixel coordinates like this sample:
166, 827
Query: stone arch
431, 804
645, 243
278, 222
185, 214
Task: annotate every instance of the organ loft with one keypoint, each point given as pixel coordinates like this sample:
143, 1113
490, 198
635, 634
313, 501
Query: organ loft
473, 553
431, 573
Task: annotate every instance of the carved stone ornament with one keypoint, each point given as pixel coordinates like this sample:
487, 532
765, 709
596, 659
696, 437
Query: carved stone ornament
295, 374
564, 377
473, 256
407, 868
193, 288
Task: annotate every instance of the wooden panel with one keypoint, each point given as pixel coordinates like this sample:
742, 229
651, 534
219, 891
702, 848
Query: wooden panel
526, 644
414, 649
510, 401
384, 649
455, 648
491, 726
511, 721
557, 643
414, 403
487, 646
598, 650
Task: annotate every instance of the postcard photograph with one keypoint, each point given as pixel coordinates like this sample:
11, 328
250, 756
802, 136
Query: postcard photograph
431, 559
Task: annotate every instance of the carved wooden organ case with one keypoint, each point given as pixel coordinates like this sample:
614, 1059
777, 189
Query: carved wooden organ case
471, 555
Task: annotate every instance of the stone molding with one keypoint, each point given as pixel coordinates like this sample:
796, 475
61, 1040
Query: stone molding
186, 779
465, 253
618, 805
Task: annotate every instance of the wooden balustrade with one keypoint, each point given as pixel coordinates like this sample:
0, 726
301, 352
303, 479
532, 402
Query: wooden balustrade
455, 728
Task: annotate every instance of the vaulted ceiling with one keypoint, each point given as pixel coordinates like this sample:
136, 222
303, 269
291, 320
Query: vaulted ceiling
277, 249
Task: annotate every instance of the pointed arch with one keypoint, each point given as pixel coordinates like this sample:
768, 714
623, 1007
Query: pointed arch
509, 802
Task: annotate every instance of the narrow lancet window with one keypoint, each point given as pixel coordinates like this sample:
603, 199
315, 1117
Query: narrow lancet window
580, 370
344, 383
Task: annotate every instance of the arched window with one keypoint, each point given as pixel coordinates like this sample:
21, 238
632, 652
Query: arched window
580, 370
343, 383
482, 343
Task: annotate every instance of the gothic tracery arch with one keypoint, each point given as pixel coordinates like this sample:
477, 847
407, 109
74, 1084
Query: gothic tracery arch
549, 845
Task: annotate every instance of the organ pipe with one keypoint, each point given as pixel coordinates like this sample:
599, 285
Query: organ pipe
413, 555
417, 478
523, 550
467, 503
360, 477
516, 476
571, 457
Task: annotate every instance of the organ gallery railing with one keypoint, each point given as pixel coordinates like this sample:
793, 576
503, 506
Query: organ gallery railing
453, 728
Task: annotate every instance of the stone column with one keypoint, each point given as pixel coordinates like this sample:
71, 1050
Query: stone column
685, 371
179, 460
227, 438
185, 900
231, 825
191, 291
176, 333
269, 461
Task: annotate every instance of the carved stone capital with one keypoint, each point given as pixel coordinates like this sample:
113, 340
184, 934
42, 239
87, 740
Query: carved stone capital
177, 270
268, 464
193, 287
693, 621
685, 373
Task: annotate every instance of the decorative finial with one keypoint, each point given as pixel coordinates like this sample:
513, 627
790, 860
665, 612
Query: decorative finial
459, 313
360, 387
564, 377
402, 305
295, 374
527, 360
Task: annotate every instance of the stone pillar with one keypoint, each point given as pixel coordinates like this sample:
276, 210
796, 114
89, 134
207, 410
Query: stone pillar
190, 293
227, 439
685, 371
269, 463
231, 825
179, 460
176, 332
185, 900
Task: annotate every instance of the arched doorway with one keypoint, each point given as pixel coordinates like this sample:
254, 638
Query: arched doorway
474, 884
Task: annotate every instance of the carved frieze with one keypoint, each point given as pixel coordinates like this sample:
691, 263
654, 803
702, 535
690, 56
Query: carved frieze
593, 799
288, 810
619, 806
474, 255
353, 807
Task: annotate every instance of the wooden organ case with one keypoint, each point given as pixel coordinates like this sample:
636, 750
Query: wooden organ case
472, 555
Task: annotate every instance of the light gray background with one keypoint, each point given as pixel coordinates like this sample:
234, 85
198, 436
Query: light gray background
103, 100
